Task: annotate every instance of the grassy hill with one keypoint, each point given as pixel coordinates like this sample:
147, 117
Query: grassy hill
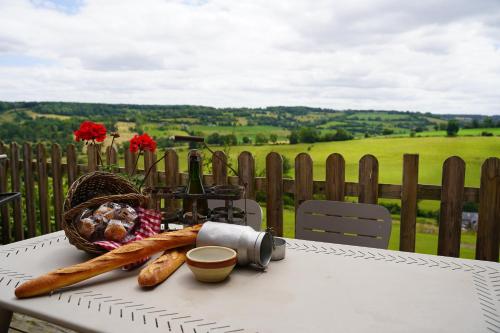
495, 131
433, 152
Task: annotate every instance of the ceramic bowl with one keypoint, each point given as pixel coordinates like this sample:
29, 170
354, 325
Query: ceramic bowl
211, 263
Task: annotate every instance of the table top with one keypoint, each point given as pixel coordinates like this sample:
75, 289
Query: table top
319, 287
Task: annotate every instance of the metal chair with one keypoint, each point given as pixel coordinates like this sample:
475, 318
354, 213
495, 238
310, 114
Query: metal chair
254, 211
344, 223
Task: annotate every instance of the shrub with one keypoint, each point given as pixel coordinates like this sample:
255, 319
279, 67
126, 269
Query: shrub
452, 128
387, 131
393, 208
293, 138
308, 135
484, 133
260, 139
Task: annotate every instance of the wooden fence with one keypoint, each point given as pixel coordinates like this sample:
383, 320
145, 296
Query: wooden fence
36, 173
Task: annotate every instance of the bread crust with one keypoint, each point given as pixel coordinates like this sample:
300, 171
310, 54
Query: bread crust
160, 269
124, 255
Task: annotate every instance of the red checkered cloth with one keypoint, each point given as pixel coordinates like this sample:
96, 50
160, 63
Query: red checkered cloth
149, 225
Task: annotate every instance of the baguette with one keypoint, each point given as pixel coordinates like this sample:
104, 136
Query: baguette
124, 255
160, 269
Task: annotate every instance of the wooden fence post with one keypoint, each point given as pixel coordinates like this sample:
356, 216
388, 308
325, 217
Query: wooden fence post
149, 159
246, 172
92, 157
112, 158
43, 188
57, 185
368, 179
409, 203
16, 187
171, 177
274, 198
4, 188
489, 211
130, 158
303, 179
335, 177
71, 164
452, 195
29, 187
219, 168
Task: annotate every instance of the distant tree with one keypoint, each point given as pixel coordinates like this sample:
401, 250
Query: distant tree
452, 128
412, 134
214, 139
387, 131
328, 136
164, 142
246, 140
293, 138
308, 135
484, 133
230, 140
261, 139
488, 122
367, 135
443, 126
273, 137
342, 135
475, 123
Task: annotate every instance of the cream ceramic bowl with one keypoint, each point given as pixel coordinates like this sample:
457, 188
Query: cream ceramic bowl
211, 263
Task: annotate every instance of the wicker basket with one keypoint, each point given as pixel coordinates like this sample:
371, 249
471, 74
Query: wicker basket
90, 191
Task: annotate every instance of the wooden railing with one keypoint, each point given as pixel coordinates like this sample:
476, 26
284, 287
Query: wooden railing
40, 214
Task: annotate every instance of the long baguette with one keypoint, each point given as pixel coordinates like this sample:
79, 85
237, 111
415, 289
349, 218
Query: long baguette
160, 269
123, 255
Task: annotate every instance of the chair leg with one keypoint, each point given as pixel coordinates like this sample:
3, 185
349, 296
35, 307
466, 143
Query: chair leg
5, 318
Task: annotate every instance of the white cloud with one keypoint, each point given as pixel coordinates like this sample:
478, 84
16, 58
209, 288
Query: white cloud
437, 56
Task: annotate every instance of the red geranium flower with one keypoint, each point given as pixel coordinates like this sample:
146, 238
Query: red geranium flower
142, 142
90, 131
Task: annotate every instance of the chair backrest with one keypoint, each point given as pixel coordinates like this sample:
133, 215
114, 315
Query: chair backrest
344, 223
254, 211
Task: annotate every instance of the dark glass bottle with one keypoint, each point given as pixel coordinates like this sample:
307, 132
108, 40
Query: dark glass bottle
195, 187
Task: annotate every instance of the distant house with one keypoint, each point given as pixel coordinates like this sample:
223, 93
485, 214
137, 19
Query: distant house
469, 220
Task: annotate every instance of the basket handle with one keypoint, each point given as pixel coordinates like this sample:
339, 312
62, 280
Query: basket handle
71, 213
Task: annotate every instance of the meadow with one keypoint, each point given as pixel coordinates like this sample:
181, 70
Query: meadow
464, 132
433, 151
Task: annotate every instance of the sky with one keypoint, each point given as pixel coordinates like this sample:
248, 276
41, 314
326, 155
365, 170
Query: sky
439, 56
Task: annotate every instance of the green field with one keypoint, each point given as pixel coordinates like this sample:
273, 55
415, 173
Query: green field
433, 151
464, 132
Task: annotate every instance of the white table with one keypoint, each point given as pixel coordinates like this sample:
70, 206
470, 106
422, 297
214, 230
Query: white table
319, 287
